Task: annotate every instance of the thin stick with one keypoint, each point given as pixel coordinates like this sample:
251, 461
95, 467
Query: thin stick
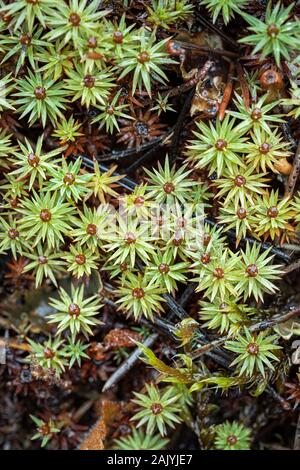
260, 326
293, 177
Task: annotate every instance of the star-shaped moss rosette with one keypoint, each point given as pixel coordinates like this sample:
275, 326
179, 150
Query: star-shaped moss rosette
12, 237
28, 12
232, 436
277, 35
57, 59
69, 180
158, 409
49, 354
73, 20
89, 89
140, 440
240, 186
74, 312
45, 217
140, 296
130, 239
217, 147
7, 149
227, 316
218, 278
145, 60
103, 183
163, 13
45, 430
273, 215
81, 260
240, 219
45, 263
40, 98
67, 130
226, 8
164, 270
265, 150
90, 227
255, 272
257, 115
254, 352
33, 163
109, 113
168, 185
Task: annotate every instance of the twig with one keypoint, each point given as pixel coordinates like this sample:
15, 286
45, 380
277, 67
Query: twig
293, 177
148, 155
216, 30
134, 356
179, 124
201, 74
260, 326
244, 85
227, 92
292, 267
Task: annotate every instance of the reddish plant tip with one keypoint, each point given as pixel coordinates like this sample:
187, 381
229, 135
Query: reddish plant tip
44, 430
91, 229
218, 273
13, 233
177, 240
118, 37
156, 408
205, 258
74, 310
89, 81
45, 215
252, 270
163, 268
173, 48
139, 201
273, 30
80, 259
69, 178
143, 57
256, 114
271, 79
92, 42
169, 188
43, 259
129, 238
123, 267
33, 160
265, 148
272, 212
74, 19
25, 39
40, 93
48, 353
231, 440
253, 349
241, 213
239, 180
33, 2
138, 293
221, 144
206, 239
14, 202
110, 110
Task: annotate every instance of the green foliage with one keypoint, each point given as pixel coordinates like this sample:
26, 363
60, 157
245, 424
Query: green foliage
225, 7
232, 436
141, 296
145, 60
71, 22
277, 35
217, 146
45, 430
139, 440
74, 312
39, 97
23, 11
49, 355
162, 13
45, 263
158, 409
255, 273
254, 352
44, 218
33, 163
168, 185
